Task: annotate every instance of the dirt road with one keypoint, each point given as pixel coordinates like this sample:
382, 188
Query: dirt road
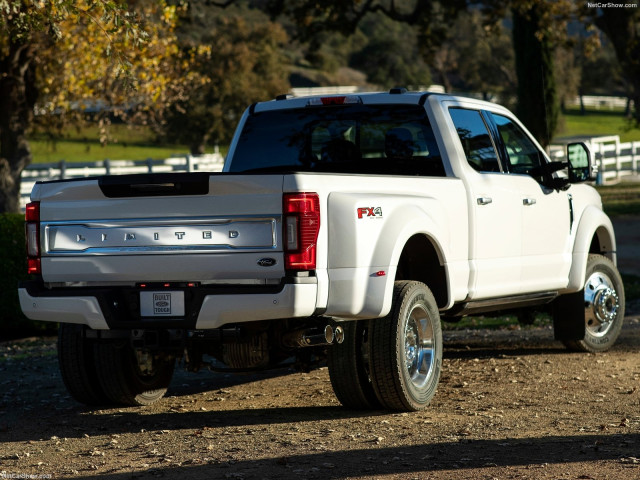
511, 405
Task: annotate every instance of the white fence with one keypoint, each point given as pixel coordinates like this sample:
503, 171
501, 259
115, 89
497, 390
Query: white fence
615, 160
62, 170
602, 102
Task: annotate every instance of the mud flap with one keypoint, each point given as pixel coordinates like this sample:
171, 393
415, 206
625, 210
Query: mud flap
568, 317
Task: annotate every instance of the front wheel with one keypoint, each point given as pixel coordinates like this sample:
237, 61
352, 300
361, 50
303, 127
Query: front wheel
406, 349
599, 306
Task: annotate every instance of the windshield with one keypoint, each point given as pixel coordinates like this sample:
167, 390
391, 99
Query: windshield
385, 139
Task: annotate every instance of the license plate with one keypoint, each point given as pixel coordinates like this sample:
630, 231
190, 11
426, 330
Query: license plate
162, 304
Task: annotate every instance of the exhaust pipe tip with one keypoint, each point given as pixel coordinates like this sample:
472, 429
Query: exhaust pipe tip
314, 337
328, 334
338, 334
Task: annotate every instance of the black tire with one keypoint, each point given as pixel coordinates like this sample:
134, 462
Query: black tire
596, 312
406, 349
77, 365
349, 367
122, 380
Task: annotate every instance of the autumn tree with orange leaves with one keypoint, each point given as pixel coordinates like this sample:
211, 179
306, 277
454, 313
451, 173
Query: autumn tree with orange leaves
58, 55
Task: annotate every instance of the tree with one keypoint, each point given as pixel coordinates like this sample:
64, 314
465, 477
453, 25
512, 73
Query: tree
477, 56
390, 56
622, 27
602, 74
538, 106
431, 18
55, 54
234, 63
539, 25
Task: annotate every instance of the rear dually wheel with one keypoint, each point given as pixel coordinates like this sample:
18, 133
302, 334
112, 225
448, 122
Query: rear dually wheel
406, 349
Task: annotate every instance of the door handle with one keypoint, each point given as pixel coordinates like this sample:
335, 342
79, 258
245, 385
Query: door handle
528, 201
484, 200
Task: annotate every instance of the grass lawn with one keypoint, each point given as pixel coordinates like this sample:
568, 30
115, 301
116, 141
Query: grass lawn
125, 143
597, 123
621, 199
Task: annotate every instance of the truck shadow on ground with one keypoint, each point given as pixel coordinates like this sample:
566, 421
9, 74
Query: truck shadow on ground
532, 454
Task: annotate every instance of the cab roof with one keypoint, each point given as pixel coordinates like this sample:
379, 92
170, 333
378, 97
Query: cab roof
395, 96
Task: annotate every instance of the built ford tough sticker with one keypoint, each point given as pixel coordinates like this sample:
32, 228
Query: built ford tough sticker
162, 304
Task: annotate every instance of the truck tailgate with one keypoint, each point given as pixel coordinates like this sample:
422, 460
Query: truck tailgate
190, 227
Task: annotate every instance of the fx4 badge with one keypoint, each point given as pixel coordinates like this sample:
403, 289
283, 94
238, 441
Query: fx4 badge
370, 212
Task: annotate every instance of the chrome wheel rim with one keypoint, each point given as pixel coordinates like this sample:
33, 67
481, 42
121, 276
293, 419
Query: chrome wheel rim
419, 347
601, 304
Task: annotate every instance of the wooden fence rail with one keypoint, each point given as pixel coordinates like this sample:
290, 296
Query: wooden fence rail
615, 160
62, 170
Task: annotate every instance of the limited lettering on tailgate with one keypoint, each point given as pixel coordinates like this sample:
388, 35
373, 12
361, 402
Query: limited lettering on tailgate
128, 238
162, 304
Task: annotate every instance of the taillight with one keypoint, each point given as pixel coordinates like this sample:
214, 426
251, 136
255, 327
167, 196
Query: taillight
32, 234
301, 225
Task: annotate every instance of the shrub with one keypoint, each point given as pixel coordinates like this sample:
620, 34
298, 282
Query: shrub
13, 268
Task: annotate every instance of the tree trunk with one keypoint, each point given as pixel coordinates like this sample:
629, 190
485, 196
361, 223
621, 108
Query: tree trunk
17, 99
538, 105
622, 27
197, 148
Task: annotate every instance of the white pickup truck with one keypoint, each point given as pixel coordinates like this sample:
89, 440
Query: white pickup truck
345, 225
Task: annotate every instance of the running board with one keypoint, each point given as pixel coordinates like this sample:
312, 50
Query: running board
502, 303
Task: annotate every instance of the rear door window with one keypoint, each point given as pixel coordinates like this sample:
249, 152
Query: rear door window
475, 138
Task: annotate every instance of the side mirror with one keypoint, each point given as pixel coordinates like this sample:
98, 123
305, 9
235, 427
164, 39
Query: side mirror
579, 158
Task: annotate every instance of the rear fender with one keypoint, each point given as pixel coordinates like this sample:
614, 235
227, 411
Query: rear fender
364, 252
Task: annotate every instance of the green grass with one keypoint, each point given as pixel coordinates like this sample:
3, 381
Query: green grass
597, 123
621, 199
125, 143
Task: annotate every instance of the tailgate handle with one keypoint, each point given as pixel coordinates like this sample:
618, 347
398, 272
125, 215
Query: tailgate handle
154, 187
155, 184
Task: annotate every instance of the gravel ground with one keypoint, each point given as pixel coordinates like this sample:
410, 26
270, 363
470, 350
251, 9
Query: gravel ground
512, 404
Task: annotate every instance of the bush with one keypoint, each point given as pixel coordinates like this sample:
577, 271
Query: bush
13, 268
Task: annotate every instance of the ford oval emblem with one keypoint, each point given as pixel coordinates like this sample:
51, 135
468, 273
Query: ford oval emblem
267, 262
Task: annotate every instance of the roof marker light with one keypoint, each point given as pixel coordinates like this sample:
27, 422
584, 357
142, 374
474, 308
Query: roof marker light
339, 100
